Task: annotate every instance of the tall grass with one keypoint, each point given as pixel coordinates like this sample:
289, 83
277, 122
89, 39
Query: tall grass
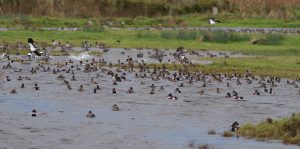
180, 35
224, 37
271, 39
286, 129
146, 35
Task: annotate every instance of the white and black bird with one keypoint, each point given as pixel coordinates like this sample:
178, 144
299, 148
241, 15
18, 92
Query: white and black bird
33, 48
213, 21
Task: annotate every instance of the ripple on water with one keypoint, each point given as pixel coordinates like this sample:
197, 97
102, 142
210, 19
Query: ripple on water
81, 56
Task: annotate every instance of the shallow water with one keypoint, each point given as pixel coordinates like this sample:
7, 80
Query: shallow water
144, 120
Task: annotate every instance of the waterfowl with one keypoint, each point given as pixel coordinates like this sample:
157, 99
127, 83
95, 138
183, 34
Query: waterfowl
36, 87
235, 126
152, 91
114, 91
256, 92
34, 113
81, 88
32, 47
115, 108
13, 91
130, 90
201, 92
162, 88
170, 96
90, 114
213, 21
177, 90
271, 91
7, 78
69, 87
73, 78
228, 95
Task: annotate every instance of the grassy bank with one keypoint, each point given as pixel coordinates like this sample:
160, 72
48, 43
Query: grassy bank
189, 20
289, 45
286, 129
283, 66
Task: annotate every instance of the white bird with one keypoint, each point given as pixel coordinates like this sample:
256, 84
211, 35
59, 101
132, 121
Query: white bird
213, 21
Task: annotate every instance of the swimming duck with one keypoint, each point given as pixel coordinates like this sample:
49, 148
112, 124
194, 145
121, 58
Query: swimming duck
90, 114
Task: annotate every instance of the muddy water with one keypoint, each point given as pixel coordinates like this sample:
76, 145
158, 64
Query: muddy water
144, 120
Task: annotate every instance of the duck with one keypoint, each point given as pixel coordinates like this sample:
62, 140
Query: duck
90, 114
177, 90
114, 91
256, 92
170, 96
34, 113
130, 90
235, 126
115, 107
81, 88
13, 91
36, 87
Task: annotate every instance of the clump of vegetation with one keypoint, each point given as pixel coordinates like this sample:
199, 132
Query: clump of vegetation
286, 129
224, 37
211, 132
227, 134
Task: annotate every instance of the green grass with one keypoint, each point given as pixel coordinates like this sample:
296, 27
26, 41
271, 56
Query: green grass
224, 37
189, 20
155, 39
286, 129
283, 66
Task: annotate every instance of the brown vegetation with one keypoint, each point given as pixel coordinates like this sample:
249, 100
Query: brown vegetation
120, 8
211, 132
227, 134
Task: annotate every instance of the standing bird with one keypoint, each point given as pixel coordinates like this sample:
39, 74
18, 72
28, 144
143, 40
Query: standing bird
213, 21
33, 48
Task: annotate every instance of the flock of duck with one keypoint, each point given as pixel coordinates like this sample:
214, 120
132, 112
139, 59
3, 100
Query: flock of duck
140, 70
